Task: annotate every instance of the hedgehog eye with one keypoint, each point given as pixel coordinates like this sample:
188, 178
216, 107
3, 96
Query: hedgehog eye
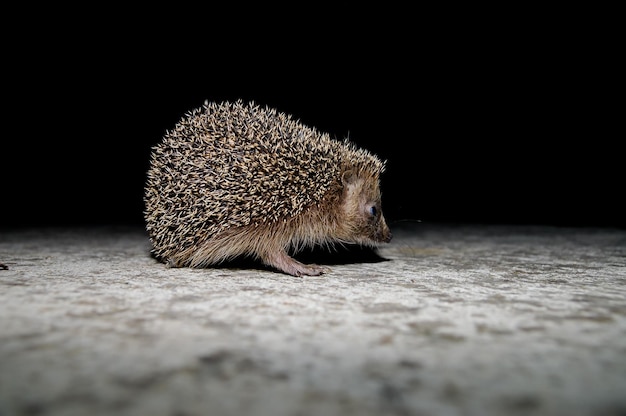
372, 210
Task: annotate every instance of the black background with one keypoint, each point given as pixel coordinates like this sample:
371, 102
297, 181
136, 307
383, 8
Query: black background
511, 120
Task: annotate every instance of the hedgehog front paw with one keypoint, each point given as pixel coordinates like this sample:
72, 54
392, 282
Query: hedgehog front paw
283, 262
309, 269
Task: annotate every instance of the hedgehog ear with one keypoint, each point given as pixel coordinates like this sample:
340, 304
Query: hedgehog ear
352, 184
348, 177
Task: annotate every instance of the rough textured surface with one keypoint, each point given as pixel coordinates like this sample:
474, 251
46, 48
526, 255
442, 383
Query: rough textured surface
465, 320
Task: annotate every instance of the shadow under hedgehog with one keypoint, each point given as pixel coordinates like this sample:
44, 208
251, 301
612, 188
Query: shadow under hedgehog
235, 179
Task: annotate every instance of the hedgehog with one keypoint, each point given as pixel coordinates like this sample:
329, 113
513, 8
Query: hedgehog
235, 179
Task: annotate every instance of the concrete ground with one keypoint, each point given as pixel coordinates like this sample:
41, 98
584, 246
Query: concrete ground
445, 320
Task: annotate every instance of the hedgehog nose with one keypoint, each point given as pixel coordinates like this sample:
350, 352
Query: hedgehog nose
383, 234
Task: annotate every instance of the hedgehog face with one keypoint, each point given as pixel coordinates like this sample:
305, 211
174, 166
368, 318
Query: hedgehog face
374, 225
362, 210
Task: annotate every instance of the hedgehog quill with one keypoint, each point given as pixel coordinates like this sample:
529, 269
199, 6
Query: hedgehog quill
236, 179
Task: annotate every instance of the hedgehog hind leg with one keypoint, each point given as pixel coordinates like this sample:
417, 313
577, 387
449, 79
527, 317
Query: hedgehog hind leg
287, 264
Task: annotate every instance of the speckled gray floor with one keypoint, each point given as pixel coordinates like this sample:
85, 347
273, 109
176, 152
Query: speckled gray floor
450, 320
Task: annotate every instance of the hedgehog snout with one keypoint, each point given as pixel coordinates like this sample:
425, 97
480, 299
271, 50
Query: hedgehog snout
383, 233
